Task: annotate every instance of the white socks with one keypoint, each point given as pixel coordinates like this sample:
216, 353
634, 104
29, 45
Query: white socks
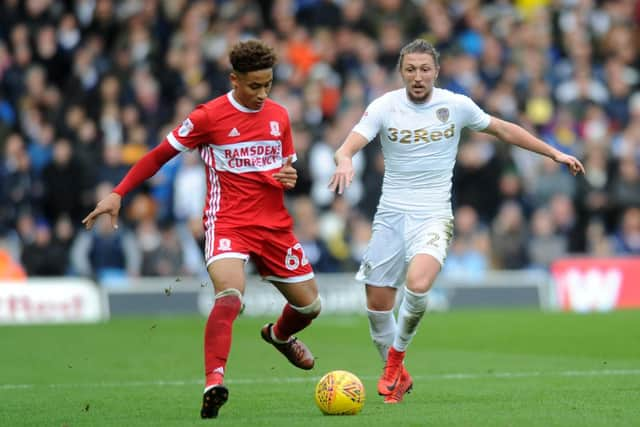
382, 326
410, 312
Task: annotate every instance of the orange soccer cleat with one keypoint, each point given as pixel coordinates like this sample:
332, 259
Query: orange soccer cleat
392, 372
294, 349
404, 386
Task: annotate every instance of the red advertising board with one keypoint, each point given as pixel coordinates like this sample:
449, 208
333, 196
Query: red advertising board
597, 284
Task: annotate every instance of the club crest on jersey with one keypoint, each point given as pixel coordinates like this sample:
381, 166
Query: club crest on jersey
186, 128
275, 128
442, 114
224, 245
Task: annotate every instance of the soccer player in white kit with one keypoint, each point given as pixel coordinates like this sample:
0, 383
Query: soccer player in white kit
419, 127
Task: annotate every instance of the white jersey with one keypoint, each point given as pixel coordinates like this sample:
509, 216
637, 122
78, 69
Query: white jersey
419, 144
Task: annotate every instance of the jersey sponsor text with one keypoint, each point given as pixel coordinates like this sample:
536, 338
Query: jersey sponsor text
415, 136
252, 156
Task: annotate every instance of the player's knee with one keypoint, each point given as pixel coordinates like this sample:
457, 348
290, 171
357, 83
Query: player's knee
419, 283
312, 310
229, 292
414, 301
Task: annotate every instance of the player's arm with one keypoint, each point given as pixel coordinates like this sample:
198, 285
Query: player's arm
344, 172
287, 175
143, 169
517, 135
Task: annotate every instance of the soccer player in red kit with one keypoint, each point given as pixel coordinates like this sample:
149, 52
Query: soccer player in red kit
245, 141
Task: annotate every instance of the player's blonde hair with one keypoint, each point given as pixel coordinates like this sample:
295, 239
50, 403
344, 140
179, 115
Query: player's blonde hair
252, 55
419, 46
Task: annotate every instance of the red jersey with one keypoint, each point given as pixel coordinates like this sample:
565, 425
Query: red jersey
241, 149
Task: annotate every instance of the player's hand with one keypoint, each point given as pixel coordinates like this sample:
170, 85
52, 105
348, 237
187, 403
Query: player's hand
342, 176
109, 205
572, 163
288, 175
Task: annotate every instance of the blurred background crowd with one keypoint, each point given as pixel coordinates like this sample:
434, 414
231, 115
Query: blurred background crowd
87, 87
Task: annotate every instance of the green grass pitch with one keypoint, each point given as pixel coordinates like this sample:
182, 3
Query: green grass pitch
471, 368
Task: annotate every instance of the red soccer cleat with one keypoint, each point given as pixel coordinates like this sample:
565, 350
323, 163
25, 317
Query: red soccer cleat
294, 349
404, 386
392, 372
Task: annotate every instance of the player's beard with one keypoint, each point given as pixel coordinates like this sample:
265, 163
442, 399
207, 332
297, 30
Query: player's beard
422, 97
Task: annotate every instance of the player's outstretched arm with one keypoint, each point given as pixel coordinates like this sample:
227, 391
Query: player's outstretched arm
517, 135
344, 172
144, 168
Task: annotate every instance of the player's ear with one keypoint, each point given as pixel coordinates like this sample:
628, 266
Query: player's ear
233, 78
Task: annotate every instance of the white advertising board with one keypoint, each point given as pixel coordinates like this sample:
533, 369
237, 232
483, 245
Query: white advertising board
52, 301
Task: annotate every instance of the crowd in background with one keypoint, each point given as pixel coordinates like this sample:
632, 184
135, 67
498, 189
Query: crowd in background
87, 87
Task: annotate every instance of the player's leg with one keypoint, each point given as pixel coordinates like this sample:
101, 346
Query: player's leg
421, 274
382, 270
427, 240
427, 245
228, 280
302, 306
283, 263
382, 322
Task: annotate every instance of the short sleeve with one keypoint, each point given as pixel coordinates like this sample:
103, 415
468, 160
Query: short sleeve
193, 131
471, 115
371, 121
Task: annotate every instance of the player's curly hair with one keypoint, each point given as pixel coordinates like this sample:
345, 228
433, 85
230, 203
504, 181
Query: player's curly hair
419, 46
252, 55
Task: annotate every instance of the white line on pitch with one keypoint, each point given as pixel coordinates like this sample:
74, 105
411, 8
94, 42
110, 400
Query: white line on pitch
452, 376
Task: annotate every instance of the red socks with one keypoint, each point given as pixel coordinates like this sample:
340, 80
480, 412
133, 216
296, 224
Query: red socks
290, 322
217, 334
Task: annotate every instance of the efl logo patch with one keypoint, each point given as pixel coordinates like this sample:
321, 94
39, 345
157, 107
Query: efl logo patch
442, 114
186, 128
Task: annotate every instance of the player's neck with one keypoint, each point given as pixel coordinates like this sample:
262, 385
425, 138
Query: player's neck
233, 98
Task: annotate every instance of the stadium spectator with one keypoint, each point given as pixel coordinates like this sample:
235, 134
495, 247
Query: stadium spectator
509, 237
43, 256
105, 72
470, 247
599, 244
245, 141
593, 189
625, 186
106, 254
626, 240
478, 166
568, 224
59, 176
544, 246
552, 179
307, 230
162, 253
414, 223
320, 165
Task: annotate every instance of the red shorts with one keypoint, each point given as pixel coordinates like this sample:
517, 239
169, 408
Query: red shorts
276, 253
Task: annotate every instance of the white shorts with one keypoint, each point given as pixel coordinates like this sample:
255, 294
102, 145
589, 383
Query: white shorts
398, 237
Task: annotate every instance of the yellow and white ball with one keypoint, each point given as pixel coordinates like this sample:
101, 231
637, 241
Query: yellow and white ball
340, 393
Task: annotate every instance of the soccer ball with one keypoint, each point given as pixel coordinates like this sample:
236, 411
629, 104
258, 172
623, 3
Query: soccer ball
339, 393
